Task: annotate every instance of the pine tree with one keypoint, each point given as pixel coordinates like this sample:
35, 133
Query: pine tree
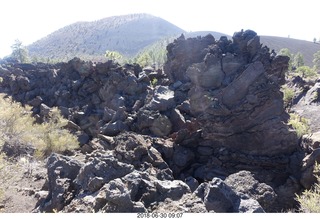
286, 52
298, 60
19, 52
316, 60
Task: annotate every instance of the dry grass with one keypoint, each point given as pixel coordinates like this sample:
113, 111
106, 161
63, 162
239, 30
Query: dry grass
27, 139
19, 130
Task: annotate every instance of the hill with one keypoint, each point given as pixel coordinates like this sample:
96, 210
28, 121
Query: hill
126, 34
215, 34
131, 34
306, 48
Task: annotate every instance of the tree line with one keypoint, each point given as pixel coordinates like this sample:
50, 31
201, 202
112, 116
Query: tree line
156, 54
153, 55
296, 63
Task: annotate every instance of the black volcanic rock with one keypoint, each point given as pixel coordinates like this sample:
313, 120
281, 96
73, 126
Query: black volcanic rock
183, 52
240, 108
220, 117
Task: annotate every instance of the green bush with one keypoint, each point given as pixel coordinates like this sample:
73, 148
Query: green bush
288, 94
53, 136
114, 56
155, 54
154, 82
299, 123
18, 129
310, 199
306, 72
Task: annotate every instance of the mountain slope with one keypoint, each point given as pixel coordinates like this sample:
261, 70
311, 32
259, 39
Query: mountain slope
215, 34
126, 34
130, 34
306, 48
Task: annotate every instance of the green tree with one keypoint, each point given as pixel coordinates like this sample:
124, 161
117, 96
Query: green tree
286, 52
114, 55
306, 72
155, 54
298, 60
19, 52
316, 60
144, 59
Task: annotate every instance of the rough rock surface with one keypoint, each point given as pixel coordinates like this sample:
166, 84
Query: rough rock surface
215, 118
311, 141
308, 178
219, 197
307, 105
241, 107
244, 182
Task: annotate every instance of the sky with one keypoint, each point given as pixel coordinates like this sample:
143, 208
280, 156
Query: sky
31, 20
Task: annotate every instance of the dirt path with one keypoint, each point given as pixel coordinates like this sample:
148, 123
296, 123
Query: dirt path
20, 185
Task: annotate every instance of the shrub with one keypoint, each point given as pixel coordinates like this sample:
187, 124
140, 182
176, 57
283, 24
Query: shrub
306, 72
53, 136
114, 56
288, 94
154, 82
310, 199
19, 130
299, 123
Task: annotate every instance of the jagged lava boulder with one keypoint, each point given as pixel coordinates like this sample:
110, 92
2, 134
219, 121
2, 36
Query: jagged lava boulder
235, 93
231, 91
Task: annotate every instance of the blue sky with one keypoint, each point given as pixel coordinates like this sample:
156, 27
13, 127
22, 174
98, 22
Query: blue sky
31, 20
